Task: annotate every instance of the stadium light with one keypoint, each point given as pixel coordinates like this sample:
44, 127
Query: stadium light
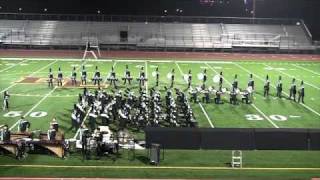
45, 10
20, 9
98, 11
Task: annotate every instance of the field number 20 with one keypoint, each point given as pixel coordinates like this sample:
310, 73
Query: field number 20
256, 117
37, 114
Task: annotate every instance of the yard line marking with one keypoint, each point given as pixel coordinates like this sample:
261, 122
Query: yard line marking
39, 70
264, 115
84, 119
252, 104
179, 68
157, 167
14, 65
35, 106
293, 77
310, 109
205, 113
146, 64
306, 69
8, 88
14, 84
202, 108
307, 107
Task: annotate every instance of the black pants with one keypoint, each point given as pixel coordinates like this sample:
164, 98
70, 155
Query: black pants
6, 104
50, 83
279, 92
266, 92
301, 97
96, 81
292, 94
83, 81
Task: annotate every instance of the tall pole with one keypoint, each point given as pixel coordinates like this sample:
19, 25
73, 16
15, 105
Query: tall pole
254, 11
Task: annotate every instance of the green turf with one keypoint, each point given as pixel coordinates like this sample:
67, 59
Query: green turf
59, 102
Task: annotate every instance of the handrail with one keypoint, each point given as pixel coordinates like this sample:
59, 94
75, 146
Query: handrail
148, 18
306, 29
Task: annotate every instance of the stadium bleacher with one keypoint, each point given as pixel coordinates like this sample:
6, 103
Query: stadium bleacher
152, 34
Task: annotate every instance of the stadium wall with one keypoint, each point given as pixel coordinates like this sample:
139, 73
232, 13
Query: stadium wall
234, 138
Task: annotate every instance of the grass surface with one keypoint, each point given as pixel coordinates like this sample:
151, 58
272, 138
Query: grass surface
31, 98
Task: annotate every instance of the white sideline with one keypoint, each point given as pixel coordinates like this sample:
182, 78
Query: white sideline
306, 69
316, 87
14, 65
203, 110
39, 70
307, 107
254, 106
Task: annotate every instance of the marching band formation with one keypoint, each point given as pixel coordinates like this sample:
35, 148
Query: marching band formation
129, 110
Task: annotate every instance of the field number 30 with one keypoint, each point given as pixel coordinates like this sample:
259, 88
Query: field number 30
256, 117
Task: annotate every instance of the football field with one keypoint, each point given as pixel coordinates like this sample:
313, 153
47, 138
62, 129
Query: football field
25, 80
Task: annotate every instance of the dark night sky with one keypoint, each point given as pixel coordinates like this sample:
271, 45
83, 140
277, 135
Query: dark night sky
309, 10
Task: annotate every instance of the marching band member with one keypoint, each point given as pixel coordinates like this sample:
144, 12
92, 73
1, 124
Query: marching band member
96, 77
51, 134
157, 76
24, 125
172, 78
92, 118
83, 76
245, 97
75, 119
194, 95
279, 87
6, 97
221, 79
74, 76
217, 99
189, 78
293, 90
301, 93
266, 87
233, 96
251, 82
235, 82
113, 78
204, 80
142, 77
60, 77
54, 124
5, 133
127, 76
50, 78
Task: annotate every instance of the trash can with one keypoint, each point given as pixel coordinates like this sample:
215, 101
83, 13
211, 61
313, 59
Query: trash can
154, 154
